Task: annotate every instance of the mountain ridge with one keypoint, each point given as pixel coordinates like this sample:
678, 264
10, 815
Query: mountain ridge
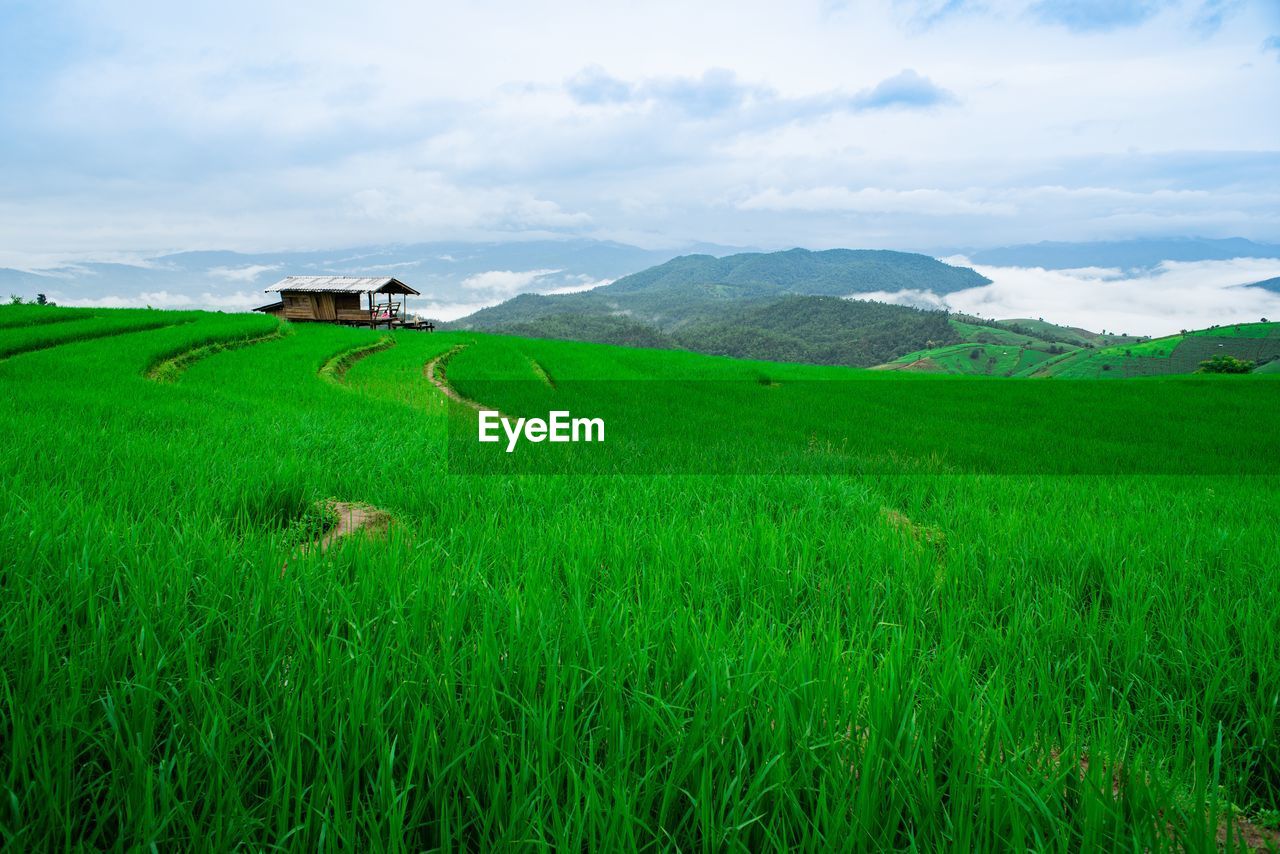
692, 288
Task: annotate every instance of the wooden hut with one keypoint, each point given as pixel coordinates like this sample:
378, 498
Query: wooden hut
350, 300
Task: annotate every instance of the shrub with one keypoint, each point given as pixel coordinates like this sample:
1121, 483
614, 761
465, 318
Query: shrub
1225, 365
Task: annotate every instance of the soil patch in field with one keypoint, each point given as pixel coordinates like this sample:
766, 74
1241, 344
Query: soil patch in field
350, 518
925, 366
1247, 835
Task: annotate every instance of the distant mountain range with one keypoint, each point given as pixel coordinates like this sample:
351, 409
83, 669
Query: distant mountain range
1121, 254
456, 277
452, 272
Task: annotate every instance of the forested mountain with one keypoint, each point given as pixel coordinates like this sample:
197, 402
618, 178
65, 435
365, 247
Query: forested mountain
598, 328
697, 289
817, 330
821, 331
783, 306
834, 272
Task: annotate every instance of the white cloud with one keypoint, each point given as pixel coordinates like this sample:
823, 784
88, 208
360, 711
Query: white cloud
446, 310
192, 129
506, 282
497, 286
248, 273
238, 301
1174, 296
581, 283
916, 299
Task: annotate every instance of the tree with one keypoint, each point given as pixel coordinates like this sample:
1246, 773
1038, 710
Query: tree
14, 299
41, 299
1225, 365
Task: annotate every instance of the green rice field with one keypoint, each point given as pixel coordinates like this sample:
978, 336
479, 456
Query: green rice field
909, 613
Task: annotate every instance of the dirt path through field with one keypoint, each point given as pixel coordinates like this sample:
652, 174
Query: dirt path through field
434, 371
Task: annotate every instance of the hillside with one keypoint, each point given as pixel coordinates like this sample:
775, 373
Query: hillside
821, 331
992, 360
991, 348
834, 272
594, 328
1173, 354
1005, 348
699, 288
1046, 331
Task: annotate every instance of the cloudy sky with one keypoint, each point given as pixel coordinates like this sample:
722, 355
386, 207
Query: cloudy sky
137, 127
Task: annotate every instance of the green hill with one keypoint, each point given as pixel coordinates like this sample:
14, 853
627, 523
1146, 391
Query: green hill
596, 328
814, 330
1173, 354
1042, 329
989, 333
1007, 348
994, 360
820, 330
999, 351
783, 306
991, 348
700, 288
834, 272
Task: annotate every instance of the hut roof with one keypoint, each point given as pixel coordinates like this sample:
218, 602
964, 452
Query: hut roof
342, 285
270, 306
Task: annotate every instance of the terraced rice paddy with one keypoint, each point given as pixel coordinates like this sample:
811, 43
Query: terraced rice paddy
906, 658
1174, 354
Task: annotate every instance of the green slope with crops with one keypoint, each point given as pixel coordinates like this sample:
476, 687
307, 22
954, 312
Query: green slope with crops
908, 612
988, 349
1005, 351
1174, 354
1067, 334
